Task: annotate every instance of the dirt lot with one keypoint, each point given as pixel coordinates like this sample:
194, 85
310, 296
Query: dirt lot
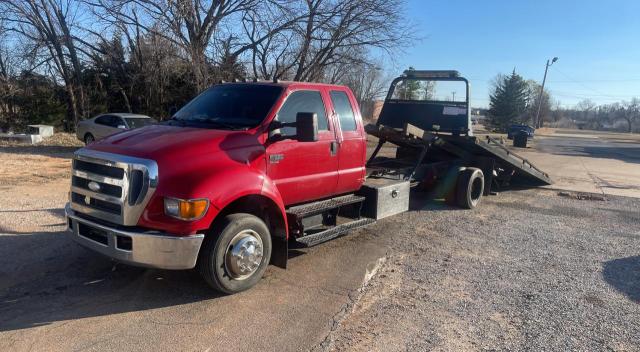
528, 270
29, 165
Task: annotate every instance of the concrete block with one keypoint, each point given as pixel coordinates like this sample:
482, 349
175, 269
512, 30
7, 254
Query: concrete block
21, 138
42, 130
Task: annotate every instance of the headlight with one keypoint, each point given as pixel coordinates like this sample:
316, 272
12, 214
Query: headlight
186, 209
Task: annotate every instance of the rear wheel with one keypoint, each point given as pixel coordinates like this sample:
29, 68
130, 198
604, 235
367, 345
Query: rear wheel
89, 138
234, 256
469, 188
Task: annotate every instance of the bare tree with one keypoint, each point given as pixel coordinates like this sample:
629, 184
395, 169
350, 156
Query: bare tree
320, 36
148, 56
190, 24
368, 84
338, 32
47, 24
630, 112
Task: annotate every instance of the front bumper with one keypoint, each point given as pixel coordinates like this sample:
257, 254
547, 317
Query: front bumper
149, 249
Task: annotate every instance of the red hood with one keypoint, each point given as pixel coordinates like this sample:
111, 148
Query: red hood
162, 141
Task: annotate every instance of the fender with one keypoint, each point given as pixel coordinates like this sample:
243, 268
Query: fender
245, 182
222, 187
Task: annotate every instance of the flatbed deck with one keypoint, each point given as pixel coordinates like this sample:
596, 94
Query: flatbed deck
464, 148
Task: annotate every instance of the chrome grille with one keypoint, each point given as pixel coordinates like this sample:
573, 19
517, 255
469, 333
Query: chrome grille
112, 187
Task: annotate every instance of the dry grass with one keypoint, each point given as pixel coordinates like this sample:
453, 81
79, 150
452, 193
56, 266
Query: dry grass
24, 164
61, 139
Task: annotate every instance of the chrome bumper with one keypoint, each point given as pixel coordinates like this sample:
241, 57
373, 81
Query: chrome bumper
148, 249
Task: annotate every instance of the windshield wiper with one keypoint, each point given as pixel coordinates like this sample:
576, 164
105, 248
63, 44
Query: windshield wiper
226, 125
219, 123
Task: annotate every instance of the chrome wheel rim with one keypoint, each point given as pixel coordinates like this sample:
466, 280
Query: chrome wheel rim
244, 255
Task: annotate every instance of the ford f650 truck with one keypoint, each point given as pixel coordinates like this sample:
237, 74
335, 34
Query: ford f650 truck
246, 171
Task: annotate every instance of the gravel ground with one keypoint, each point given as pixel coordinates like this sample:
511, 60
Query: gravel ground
528, 271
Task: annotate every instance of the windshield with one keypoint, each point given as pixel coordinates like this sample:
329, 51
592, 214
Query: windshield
137, 122
231, 106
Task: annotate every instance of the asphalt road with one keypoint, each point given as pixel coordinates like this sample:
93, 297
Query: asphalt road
589, 161
589, 145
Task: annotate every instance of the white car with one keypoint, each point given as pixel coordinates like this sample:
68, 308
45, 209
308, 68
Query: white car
104, 125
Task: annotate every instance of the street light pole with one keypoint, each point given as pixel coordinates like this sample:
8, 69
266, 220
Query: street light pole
538, 122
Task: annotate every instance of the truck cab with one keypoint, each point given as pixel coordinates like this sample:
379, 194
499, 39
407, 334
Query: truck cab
210, 187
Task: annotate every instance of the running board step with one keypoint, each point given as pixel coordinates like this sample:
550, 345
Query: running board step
318, 207
334, 232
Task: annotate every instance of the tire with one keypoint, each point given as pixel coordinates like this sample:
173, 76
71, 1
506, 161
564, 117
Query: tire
469, 188
89, 138
216, 261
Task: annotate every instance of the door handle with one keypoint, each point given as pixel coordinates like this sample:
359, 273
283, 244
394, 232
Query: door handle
333, 147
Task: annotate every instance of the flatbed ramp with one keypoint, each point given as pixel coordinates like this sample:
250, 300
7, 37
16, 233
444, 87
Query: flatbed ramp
463, 147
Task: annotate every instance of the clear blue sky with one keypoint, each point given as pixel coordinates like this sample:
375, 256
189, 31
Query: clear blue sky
597, 42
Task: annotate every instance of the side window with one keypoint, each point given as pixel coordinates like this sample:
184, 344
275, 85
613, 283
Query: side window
302, 101
104, 120
343, 108
117, 121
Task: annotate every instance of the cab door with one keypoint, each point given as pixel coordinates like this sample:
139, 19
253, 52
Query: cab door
352, 142
303, 171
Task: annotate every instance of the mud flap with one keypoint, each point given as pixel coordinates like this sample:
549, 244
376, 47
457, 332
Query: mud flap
279, 252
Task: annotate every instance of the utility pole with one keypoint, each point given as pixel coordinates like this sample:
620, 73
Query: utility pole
538, 121
453, 96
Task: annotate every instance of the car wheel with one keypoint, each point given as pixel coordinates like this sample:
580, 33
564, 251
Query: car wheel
235, 255
88, 139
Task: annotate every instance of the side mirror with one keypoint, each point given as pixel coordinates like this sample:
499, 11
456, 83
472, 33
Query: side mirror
122, 127
306, 127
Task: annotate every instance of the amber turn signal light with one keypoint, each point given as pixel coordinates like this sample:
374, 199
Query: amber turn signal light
186, 209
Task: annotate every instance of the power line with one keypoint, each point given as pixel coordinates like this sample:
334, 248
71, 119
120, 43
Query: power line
582, 84
586, 97
599, 80
593, 95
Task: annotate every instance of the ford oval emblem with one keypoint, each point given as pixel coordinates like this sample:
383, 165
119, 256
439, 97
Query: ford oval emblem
94, 186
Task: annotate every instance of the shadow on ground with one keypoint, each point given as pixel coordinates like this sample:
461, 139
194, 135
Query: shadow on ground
48, 278
623, 153
624, 275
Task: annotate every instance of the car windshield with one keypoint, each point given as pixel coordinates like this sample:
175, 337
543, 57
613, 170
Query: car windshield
137, 122
230, 106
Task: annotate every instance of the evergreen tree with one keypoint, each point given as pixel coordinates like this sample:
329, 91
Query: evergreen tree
508, 101
408, 89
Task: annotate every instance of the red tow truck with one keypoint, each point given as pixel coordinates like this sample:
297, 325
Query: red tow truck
246, 171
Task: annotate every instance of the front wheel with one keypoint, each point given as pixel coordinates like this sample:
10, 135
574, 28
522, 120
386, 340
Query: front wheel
88, 139
234, 256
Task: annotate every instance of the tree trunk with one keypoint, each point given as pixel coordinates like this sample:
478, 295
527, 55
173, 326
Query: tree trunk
71, 120
199, 67
307, 42
126, 100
